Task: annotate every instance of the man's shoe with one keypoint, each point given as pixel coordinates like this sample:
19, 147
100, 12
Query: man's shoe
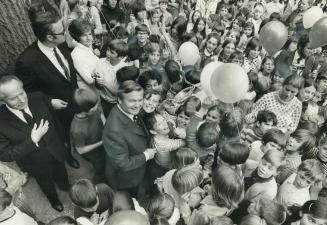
72, 162
57, 205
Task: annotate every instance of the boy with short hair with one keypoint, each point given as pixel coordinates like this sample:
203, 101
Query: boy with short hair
89, 199
295, 189
265, 121
262, 182
86, 131
273, 139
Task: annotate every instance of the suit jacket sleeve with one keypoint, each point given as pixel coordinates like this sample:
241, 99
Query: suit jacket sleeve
12, 152
28, 77
117, 149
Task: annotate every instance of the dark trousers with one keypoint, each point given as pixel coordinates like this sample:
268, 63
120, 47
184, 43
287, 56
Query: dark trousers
97, 158
48, 175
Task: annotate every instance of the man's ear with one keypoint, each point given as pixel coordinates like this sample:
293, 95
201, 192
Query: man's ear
50, 37
153, 132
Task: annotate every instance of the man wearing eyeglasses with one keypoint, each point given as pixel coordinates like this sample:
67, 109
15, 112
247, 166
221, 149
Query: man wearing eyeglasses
46, 66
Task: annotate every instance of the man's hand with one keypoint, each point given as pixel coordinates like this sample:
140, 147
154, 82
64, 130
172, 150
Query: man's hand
150, 152
38, 132
58, 104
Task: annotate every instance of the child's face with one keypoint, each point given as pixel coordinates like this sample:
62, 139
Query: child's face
292, 47
269, 66
141, 15
232, 36
265, 126
155, 18
196, 16
150, 104
317, 97
191, 107
86, 39
229, 49
142, 37
271, 146
322, 85
169, 106
161, 125
293, 144
212, 44
154, 2
253, 53
201, 26
223, 12
213, 116
307, 93
266, 169
152, 84
248, 31
182, 120
163, 6
323, 152
112, 3
111, 54
302, 181
258, 11
154, 58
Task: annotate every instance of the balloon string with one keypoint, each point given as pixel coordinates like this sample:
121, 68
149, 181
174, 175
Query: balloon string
238, 129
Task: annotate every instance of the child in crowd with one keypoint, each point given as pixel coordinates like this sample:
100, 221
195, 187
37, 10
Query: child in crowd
209, 49
273, 139
159, 128
247, 34
299, 142
150, 79
232, 155
203, 139
295, 189
91, 201
227, 191
262, 182
265, 121
105, 73
86, 131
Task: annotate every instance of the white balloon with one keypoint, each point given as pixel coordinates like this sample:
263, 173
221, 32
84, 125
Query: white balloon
311, 16
205, 77
188, 53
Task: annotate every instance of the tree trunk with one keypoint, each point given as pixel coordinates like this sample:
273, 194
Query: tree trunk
16, 33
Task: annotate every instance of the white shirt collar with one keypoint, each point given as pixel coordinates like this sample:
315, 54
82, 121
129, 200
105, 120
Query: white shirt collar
19, 114
43, 47
126, 113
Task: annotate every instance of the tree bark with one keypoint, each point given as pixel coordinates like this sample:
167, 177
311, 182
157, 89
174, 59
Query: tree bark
16, 33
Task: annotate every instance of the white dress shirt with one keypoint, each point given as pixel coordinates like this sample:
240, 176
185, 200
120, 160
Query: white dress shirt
49, 53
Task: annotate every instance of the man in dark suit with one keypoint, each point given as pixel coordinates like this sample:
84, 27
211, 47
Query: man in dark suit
30, 136
47, 66
125, 140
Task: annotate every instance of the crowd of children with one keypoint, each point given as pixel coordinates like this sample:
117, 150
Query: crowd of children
262, 160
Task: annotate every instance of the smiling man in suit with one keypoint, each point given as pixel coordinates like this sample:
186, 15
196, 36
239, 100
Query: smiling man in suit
125, 140
30, 136
47, 66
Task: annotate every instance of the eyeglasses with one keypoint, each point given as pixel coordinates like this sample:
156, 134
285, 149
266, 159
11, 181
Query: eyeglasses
142, 33
62, 33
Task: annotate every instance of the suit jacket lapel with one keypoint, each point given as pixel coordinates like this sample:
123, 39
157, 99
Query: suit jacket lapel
131, 125
46, 62
15, 121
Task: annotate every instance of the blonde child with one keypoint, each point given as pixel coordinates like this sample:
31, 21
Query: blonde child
262, 182
295, 189
273, 139
299, 142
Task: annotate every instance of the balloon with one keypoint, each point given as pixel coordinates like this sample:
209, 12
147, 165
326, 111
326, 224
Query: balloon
311, 16
188, 53
273, 35
317, 35
229, 83
205, 77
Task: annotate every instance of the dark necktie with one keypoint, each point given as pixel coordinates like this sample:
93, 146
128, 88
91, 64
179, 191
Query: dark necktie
62, 64
30, 121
